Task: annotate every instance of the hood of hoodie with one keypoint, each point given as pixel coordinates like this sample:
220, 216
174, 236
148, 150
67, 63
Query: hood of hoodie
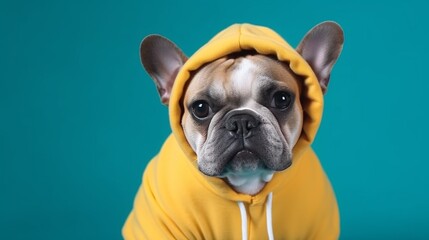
236, 38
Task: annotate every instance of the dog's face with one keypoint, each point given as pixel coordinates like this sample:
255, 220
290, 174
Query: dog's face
242, 113
243, 117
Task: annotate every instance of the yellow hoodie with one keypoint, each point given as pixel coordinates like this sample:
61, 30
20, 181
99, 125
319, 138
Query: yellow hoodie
176, 201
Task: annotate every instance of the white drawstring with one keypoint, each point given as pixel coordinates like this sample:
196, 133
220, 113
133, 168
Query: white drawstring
268, 210
243, 220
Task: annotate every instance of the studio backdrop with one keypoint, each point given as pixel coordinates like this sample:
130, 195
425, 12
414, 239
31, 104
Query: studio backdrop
79, 117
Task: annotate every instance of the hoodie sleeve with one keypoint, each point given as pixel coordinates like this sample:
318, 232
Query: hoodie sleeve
148, 220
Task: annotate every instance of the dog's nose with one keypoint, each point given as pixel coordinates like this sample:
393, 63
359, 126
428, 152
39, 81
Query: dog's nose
241, 125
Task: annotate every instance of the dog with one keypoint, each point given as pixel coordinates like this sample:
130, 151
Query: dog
244, 110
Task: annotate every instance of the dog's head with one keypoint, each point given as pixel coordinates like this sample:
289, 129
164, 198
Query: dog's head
242, 113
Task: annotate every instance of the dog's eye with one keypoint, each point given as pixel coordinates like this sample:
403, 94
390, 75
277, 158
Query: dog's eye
281, 100
200, 109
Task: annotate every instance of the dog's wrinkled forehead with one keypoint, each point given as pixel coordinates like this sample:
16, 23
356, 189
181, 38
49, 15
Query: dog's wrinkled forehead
237, 79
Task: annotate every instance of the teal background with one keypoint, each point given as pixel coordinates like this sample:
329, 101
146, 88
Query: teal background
79, 118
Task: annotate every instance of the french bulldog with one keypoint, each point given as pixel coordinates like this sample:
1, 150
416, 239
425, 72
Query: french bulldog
242, 113
244, 110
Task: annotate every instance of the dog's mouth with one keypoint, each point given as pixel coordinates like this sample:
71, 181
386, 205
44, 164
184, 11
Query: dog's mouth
244, 162
222, 155
246, 172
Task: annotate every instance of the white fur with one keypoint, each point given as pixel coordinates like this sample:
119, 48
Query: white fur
243, 77
250, 183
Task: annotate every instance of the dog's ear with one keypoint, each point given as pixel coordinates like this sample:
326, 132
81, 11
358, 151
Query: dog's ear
162, 60
321, 47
